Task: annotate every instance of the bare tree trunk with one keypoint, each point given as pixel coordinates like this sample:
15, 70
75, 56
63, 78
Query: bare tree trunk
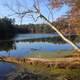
60, 34
37, 10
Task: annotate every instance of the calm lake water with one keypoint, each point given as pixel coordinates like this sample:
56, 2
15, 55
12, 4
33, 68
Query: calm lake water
5, 68
23, 44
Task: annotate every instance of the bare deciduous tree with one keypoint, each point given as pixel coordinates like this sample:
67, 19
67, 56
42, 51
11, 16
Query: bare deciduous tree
36, 10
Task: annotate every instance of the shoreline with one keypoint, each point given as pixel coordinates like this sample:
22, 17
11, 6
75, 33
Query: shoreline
60, 62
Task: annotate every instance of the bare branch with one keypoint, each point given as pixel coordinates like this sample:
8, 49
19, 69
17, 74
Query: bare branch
36, 10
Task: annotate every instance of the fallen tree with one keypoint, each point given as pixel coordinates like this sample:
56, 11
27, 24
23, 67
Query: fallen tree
36, 11
59, 62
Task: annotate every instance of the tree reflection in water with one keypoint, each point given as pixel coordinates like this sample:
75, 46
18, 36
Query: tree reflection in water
10, 44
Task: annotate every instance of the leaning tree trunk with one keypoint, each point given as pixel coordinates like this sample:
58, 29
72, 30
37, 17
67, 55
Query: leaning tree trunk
60, 34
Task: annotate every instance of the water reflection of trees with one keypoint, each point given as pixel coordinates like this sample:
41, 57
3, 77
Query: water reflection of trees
6, 45
55, 40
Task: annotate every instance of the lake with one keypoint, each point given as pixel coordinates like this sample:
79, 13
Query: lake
24, 44
5, 68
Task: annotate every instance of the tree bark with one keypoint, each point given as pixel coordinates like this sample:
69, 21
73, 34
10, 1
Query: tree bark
60, 34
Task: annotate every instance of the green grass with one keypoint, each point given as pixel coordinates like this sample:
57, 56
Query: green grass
45, 72
51, 73
51, 54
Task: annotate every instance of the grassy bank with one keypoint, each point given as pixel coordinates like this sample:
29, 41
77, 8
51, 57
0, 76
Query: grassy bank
51, 54
41, 71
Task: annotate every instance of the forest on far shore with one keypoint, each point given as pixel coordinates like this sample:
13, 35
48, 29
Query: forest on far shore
8, 28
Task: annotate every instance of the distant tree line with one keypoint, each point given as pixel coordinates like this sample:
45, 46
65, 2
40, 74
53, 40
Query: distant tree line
67, 28
9, 29
61, 25
36, 28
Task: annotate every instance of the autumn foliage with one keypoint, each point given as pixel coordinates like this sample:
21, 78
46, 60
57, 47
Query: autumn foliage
73, 15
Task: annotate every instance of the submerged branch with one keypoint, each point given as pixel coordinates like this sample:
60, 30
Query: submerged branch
60, 34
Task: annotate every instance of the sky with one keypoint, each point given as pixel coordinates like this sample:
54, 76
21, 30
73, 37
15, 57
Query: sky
5, 11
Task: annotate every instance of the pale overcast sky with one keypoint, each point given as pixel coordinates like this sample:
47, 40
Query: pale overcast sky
4, 11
